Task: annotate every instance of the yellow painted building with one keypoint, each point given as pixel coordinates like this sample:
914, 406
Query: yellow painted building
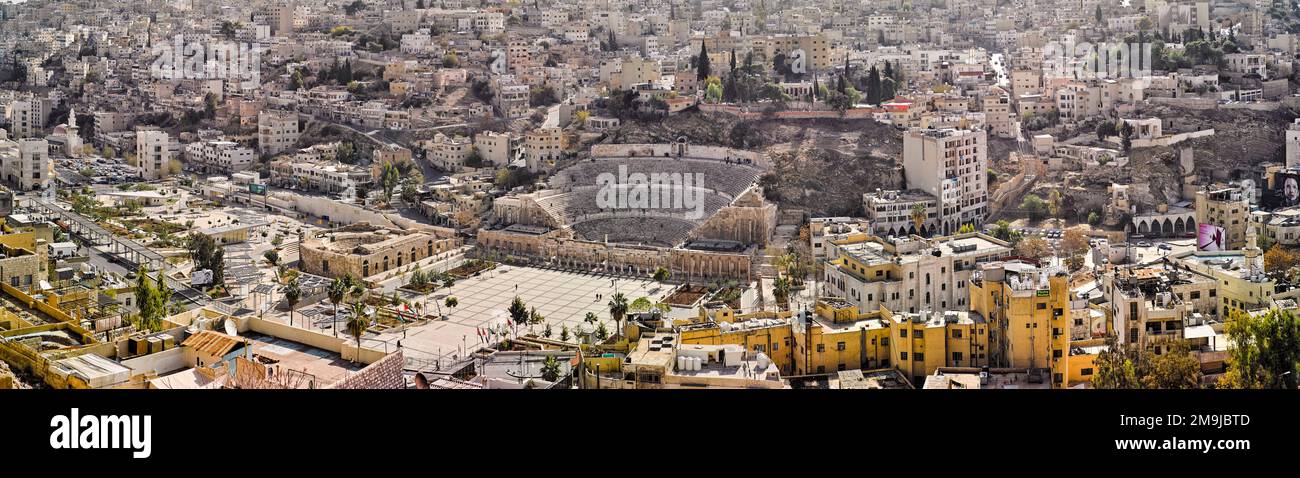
1027, 309
924, 342
766, 332
835, 336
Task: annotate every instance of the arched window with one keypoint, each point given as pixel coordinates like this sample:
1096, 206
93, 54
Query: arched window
430, 247
399, 258
385, 264
365, 269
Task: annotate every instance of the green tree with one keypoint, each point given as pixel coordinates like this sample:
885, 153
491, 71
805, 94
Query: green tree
873, 86
206, 254
781, 290
272, 257
336, 291
292, 293
1132, 367
551, 368
1263, 351
150, 300
1034, 206
618, 307
518, 311
702, 68
641, 304
662, 274
1118, 367
388, 179
1177, 368
358, 323
918, 214
451, 302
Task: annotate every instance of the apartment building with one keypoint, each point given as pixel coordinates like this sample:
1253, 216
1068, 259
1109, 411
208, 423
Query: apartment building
153, 154
277, 131
907, 274
222, 157
542, 147
1226, 208
952, 166
497, 149
894, 213
25, 164
1027, 309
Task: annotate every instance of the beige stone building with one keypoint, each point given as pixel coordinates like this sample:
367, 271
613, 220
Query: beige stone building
363, 250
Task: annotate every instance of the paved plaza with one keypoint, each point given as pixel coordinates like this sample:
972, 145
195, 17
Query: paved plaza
564, 298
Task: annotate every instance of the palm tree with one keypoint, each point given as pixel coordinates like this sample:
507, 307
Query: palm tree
781, 289
918, 216
336, 291
617, 309
291, 295
590, 318
358, 323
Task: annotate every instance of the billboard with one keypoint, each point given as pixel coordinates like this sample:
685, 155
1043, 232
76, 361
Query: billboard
1210, 237
1284, 190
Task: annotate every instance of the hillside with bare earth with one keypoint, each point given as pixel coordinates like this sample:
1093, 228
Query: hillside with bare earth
820, 165
1243, 140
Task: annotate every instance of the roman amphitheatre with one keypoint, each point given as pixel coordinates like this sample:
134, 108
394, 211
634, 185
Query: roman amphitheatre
567, 223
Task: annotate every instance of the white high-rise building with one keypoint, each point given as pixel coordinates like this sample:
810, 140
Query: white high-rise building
27, 117
952, 166
152, 154
25, 164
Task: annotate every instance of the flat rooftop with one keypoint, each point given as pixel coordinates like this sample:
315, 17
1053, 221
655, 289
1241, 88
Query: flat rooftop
328, 367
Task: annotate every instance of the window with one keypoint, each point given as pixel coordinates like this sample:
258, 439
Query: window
1040, 306
956, 333
902, 333
902, 356
1085, 372
919, 357
821, 348
839, 346
956, 357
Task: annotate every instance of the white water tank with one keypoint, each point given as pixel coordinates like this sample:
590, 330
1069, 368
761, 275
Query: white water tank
763, 361
681, 362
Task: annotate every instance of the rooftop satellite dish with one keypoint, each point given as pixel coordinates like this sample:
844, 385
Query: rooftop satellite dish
231, 329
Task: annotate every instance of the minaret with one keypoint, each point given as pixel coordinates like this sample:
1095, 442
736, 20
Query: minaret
1254, 256
72, 135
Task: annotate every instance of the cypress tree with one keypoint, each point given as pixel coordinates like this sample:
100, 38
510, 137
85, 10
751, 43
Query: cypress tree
702, 64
